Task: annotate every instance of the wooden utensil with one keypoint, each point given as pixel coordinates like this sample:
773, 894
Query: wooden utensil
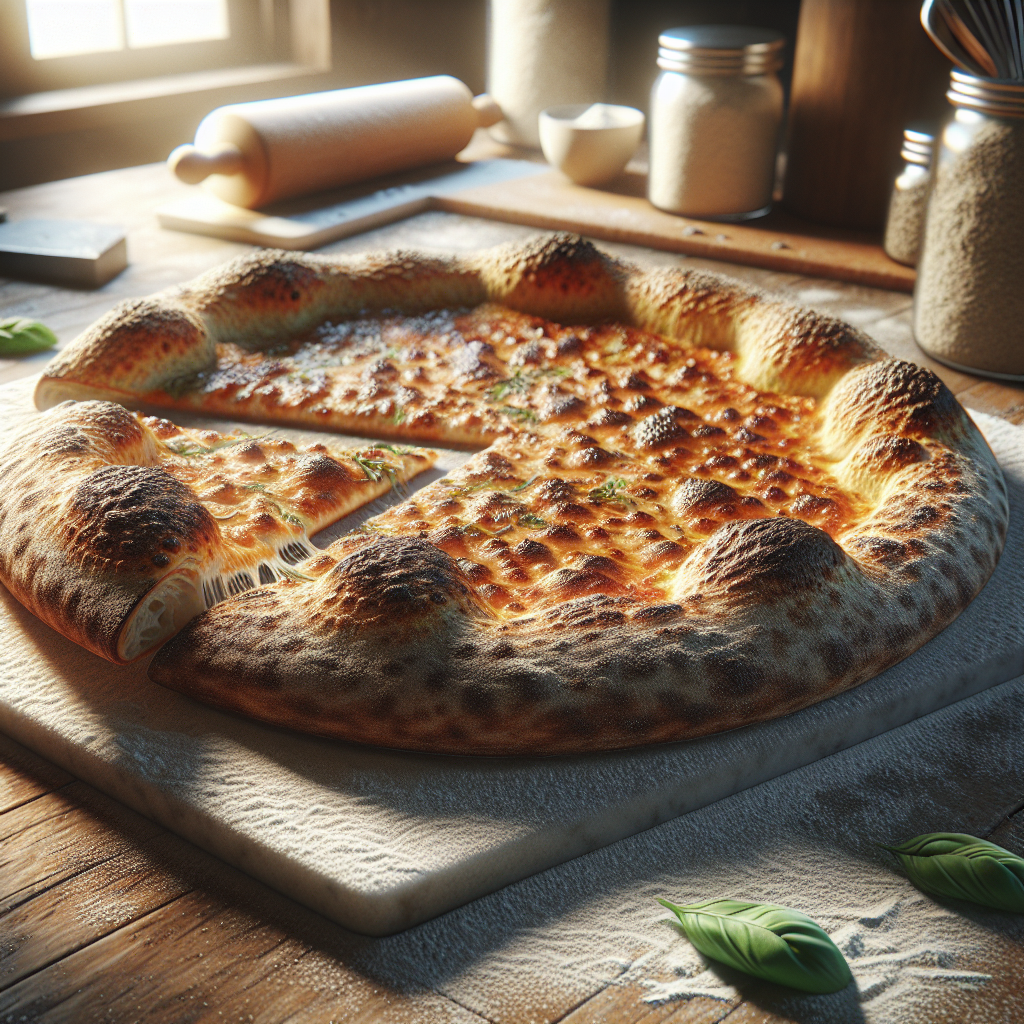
251, 154
862, 71
966, 38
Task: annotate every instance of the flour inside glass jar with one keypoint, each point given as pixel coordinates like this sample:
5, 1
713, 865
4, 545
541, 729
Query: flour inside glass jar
969, 301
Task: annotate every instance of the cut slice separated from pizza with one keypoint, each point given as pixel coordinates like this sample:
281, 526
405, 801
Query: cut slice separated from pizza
699, 507
117, 528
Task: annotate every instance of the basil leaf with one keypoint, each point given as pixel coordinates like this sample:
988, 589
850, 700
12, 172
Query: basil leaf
19, 337
769, 942
955, 865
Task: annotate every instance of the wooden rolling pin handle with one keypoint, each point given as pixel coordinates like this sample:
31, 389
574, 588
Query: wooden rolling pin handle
487, 110
193, 165
251, 154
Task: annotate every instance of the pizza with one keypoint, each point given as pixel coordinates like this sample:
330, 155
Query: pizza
694, 507
117, 528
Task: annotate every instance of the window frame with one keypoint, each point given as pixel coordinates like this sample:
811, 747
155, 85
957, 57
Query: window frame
255, 38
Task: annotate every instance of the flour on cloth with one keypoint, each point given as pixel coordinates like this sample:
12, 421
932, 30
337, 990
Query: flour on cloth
807, 840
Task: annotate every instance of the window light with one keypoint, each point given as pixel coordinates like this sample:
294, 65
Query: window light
64, 28
60, 28
160, 22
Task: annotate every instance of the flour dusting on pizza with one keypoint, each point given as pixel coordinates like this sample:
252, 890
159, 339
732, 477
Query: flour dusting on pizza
697, 507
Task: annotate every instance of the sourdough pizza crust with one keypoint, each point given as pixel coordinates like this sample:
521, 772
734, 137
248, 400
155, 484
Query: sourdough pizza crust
700, 507
117, 528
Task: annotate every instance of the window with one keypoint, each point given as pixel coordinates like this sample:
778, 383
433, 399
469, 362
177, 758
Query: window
89, 85
56, 44
64, 28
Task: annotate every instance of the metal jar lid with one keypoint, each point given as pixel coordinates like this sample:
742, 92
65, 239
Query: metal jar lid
1000, 97
720, 50
917, 147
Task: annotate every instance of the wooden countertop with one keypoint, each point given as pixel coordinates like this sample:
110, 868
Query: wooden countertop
106, 916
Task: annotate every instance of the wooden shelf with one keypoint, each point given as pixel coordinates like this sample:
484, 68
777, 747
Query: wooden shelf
621, 213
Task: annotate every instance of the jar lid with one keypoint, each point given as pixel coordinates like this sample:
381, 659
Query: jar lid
913, 156
721, 49
916, 137
917, 147
1000, 97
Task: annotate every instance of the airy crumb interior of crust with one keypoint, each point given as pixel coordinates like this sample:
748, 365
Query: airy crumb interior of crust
267, 495
160, 614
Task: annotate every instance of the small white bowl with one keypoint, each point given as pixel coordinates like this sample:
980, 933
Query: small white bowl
594, 148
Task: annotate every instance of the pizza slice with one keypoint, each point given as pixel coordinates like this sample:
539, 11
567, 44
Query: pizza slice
117, 528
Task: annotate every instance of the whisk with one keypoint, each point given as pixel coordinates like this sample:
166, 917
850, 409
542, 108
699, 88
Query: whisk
984, 37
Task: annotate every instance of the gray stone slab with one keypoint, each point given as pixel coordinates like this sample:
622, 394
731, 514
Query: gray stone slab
68, 252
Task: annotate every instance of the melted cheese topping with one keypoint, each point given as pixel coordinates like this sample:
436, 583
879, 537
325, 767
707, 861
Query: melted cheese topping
268, 495
615, 452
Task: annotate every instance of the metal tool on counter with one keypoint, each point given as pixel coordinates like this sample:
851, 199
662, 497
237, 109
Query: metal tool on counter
66, 252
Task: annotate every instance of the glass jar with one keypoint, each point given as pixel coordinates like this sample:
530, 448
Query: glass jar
905, 224
969, 297
716, 110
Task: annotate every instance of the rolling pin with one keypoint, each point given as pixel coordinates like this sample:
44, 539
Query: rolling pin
251, 154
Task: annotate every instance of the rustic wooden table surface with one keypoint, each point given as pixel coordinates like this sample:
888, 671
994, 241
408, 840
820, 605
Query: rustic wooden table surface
106, 916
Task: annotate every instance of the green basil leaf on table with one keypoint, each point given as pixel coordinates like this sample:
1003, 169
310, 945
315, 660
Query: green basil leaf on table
20, 337
963, 867
767, 941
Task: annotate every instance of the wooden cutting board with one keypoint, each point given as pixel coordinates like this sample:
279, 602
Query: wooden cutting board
525, 192
620, 213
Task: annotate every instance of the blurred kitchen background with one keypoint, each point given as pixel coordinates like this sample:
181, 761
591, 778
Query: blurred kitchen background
91, 85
